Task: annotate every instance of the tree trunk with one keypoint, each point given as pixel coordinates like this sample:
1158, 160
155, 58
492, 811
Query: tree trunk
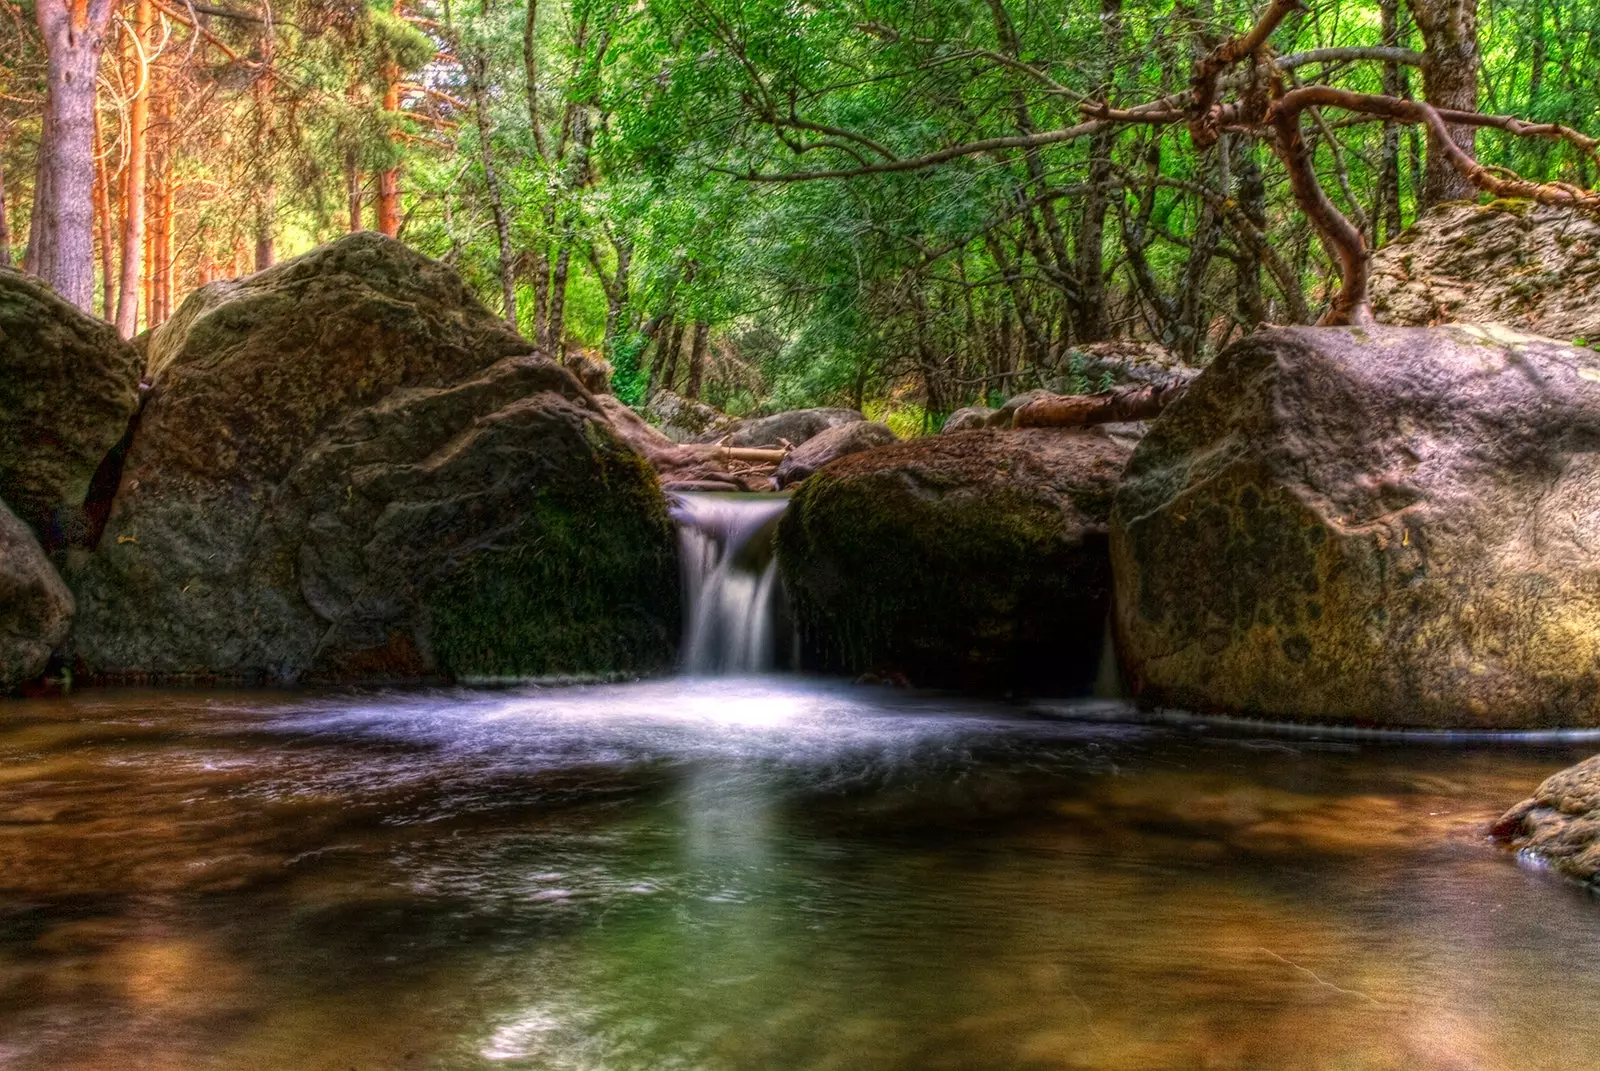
1450, 62
1386, 218
697, 359
558, 297
102, 211
352, 189
1091, 303
5, 226
674, 346
73, 32
389, 180
133, 178
502, 223
1252, 195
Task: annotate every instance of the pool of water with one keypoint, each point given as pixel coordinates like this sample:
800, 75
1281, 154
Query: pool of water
761, 874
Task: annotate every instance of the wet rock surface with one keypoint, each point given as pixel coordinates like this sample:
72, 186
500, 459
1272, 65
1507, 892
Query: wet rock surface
1385, 526
975, 559
349, 469
794, 427
829, 446
1530, 266
68, 387
35, 606
1560, 822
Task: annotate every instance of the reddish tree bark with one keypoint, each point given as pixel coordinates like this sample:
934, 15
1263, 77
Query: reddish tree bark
133, 175
389, 180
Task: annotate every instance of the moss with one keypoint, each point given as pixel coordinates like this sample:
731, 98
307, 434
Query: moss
591, 589
1514, 206
976, 590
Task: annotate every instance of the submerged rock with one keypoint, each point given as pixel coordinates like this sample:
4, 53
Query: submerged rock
830, 445
349, 469
975, 559
1389, 526
1560, 822
35, 606
1530, 266
68, 387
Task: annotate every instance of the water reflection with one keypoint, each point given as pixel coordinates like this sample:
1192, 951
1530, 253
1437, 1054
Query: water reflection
750, 874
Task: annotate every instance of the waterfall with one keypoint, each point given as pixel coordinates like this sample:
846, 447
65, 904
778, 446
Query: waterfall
737, 621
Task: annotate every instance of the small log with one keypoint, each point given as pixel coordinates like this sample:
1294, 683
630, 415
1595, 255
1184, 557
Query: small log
1082, 410
758, 455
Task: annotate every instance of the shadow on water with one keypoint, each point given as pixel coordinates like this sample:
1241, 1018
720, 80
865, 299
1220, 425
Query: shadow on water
754, 873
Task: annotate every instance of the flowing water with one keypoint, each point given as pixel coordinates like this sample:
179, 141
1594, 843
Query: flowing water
761, 874
737, 622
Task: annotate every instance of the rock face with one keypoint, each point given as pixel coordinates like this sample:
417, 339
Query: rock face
794, 427
349, 469
831, 445
1390, 526
970, 418
35, 606
1561, 822
68, 386
685, 420
974, 560
681, 468
1530, 266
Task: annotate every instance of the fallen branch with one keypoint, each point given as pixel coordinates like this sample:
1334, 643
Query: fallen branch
758, 455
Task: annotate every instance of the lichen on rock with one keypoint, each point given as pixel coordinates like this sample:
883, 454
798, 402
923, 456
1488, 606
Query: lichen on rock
1387, 526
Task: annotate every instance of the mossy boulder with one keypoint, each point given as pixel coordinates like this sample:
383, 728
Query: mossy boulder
1388, 526
974, 560
1560, 822
68, 387
35, 606
829, 446
348, 469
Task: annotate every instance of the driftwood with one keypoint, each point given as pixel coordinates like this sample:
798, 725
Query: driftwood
1081, 410
757, 455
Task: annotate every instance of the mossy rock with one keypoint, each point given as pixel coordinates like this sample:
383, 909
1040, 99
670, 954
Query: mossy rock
341, 475
68, 387
974, 560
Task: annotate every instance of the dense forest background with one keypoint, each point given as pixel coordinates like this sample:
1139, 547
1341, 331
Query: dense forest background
902, 205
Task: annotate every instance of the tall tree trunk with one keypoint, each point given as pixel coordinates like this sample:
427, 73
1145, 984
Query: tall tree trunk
5, 226
502, 222
618, 294
697, 359
266, 199
352, 189
159, 303
675, 345
666, 330
133, 175
102, 211
389, 179
73, 32
1252, 196
1386, 217
1091, 304
38, 217
1450, 62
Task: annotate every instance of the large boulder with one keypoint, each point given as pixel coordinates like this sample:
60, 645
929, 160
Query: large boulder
35, 606
349, 469
973, 560
793, 427
1529, 266
687, 420
829, 446
1560, 822
1390, 526
68, 386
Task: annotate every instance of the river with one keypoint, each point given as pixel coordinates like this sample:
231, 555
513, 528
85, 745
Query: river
760, 873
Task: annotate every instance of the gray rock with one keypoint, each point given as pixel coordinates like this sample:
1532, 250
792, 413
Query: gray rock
793, 427
1389, 525
685, 420
1529, 266
341, 474
971, 418
831, 445
35, 606
68, 387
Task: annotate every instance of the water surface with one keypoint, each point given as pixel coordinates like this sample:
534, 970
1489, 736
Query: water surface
760, 874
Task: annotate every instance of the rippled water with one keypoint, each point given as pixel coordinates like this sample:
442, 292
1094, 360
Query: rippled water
760, 875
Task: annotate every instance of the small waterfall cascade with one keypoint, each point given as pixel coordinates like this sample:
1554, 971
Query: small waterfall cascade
737, 619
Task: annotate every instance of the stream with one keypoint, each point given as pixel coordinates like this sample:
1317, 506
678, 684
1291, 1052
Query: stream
761, 873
